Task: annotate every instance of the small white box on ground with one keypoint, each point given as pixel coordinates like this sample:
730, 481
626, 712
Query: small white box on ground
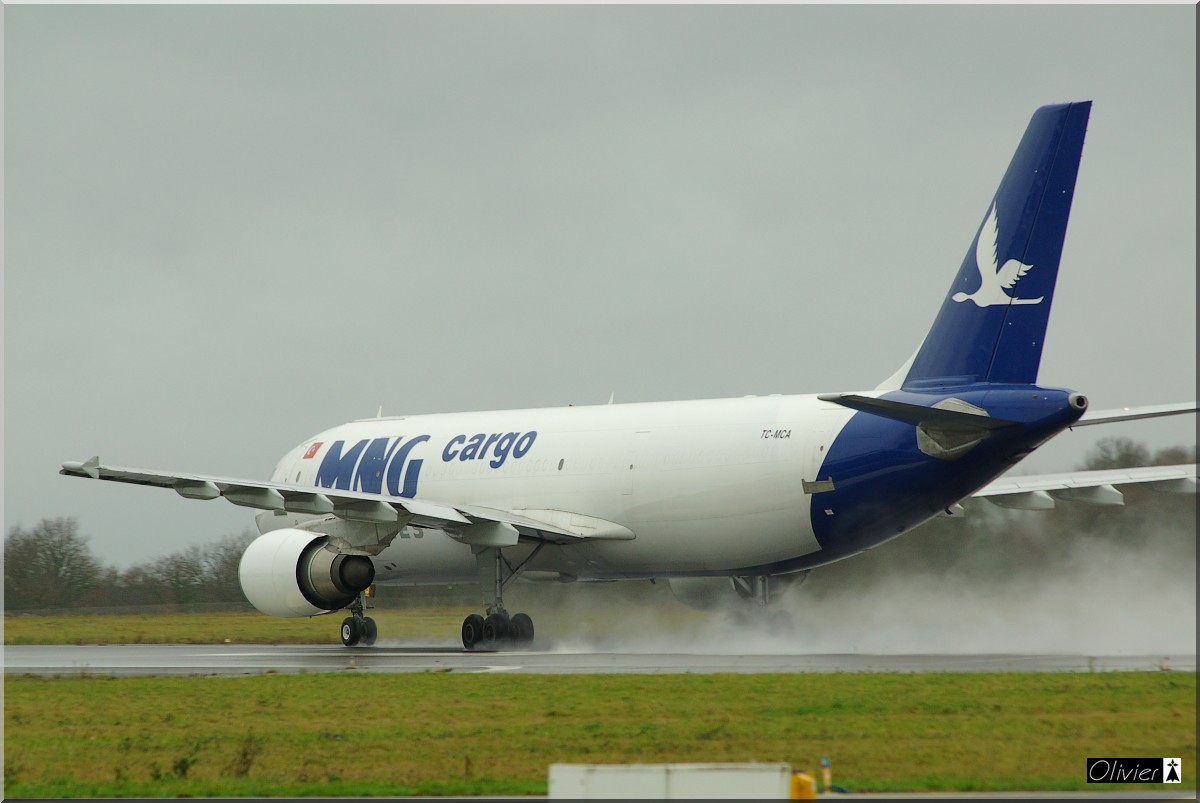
670, 781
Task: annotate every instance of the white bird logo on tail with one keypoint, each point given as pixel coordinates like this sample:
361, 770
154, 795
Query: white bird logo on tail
994, 280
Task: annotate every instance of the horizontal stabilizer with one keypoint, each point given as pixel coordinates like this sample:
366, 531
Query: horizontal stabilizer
915, 414
1134, 413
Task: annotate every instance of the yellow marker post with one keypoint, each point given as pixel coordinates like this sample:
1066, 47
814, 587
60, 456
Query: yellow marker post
804, 786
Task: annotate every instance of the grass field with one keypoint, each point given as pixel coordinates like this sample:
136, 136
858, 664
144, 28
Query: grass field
446, 733
352, 733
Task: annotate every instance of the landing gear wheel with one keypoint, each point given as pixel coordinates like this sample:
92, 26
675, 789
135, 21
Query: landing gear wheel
472, 631
521, 629
352, 630
370, 631
495, 629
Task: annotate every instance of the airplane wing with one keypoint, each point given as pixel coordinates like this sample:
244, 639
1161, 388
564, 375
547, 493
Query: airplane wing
1039, 492
457, 520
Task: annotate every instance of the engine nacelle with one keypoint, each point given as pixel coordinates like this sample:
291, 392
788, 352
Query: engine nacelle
716, 593
293, 573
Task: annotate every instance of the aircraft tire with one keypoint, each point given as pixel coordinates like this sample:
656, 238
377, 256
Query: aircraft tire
521, 629
496, 628
370, 631
352, 631
472, 631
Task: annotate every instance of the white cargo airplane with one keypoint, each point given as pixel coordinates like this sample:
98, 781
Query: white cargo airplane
727, 497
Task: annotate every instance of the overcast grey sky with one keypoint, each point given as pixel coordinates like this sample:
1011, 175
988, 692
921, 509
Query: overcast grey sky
228, 228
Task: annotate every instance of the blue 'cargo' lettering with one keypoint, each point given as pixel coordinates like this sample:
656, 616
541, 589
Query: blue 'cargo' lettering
498, 446
449, 453
527, 439
503, 446
471, 450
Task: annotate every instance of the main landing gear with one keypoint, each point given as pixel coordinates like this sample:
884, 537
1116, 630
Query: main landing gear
497, 630
758, 592
359, 629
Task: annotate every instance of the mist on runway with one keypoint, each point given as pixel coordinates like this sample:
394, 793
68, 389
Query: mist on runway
1078, 580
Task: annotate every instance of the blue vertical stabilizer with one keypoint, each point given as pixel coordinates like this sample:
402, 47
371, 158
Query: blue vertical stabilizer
992, 324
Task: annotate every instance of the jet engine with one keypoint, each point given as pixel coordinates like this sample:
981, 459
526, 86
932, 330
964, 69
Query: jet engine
716, 593
293, 573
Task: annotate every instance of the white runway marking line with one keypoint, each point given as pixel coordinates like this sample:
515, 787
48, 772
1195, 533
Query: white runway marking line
483, 669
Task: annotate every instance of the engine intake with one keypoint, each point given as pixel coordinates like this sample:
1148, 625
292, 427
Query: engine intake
293, 573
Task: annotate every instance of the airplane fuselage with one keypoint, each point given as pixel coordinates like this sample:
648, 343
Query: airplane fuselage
708, 487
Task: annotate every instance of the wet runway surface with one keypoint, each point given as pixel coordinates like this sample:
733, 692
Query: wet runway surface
237, 659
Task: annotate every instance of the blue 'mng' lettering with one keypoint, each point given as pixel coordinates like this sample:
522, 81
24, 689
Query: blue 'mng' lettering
411, 476
369, 476
336, 469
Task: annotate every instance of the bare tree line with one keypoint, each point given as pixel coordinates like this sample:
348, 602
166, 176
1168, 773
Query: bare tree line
51, 567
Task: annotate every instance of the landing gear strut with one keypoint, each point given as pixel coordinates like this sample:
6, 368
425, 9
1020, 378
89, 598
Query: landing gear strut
358, 629
498, 629
757, 590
